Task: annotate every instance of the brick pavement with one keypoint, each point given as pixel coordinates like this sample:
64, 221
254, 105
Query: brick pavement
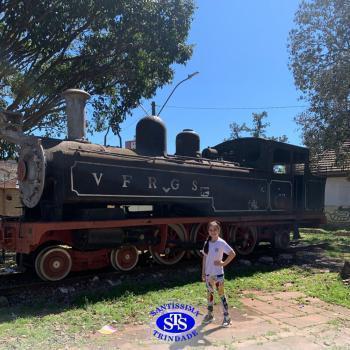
287, 320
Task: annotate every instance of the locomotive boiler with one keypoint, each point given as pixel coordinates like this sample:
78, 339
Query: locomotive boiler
114, 201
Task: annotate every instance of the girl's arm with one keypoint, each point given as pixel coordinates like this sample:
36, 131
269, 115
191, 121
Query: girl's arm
230, 257
203, 268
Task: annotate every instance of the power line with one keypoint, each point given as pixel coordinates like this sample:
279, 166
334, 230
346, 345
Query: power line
219, 108
234, 108
132, 123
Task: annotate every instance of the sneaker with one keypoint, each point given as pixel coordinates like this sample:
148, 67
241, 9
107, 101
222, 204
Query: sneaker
227, 321
208, 318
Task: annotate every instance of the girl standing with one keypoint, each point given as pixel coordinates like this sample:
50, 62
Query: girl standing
213, 270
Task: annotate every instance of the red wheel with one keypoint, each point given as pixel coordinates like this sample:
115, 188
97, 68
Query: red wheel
244, 239
124, 258
199, 234
171, 255
53, 263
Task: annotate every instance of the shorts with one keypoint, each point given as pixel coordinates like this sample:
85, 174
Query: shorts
214, 280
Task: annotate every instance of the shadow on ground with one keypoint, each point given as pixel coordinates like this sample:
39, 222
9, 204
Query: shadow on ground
187, 272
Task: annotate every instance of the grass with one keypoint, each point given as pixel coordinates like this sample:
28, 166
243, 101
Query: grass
53, 326
338, 323
270, 334
336, 246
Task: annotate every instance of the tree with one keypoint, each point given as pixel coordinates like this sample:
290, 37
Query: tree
118, 51
319, 48
257, 130
7, 150
237, 129
259, 127
282, 138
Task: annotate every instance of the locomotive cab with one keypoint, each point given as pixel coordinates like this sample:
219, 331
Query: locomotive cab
291, 184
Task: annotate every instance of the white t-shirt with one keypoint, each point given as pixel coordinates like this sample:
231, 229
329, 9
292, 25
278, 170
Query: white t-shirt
215, 252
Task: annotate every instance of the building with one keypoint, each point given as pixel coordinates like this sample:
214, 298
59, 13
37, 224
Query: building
337, 193
130, 144
10, 203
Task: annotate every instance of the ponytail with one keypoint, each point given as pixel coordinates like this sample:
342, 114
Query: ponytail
206, 245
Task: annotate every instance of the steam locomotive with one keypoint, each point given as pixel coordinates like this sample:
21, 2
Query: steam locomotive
88, 205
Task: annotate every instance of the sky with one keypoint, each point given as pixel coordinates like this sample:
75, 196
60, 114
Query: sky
240, 52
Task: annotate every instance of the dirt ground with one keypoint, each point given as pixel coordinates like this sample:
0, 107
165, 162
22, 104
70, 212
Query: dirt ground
286, 320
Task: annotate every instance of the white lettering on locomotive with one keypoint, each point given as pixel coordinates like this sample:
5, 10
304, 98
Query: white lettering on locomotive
126, 180
97, 178
253, 204
194, 185
166, 189
205, 191
152, 182
175, 184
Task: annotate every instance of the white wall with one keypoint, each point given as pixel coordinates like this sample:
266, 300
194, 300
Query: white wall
337, 195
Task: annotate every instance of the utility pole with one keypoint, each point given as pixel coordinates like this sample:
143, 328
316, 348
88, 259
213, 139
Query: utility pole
188, 77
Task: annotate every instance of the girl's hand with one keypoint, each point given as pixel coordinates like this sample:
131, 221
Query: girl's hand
218, 263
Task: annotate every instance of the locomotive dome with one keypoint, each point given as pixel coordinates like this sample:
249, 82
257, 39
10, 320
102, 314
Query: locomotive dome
151, 136
187, 143
210, 153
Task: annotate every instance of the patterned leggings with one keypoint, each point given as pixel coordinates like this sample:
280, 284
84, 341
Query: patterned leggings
217, 282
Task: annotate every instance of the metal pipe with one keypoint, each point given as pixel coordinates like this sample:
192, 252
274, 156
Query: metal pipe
75, 109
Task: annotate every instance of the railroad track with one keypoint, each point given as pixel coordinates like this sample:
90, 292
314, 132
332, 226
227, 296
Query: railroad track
35, 284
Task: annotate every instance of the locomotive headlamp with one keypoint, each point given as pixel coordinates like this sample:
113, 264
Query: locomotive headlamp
31, 173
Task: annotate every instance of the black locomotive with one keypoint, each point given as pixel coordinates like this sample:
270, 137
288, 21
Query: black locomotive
89, 197
80, 180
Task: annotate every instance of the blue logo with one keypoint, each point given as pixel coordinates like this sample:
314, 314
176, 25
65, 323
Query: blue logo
174, 322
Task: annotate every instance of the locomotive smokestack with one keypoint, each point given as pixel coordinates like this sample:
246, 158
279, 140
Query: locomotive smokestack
75, 109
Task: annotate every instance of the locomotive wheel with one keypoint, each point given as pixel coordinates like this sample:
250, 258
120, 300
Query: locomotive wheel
124, 258
244, 239
199, 233
53, 263
171, 256
282, 239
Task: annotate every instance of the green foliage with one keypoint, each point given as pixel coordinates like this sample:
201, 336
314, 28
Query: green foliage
118, 51
319, 49
237, 129
7, 151
258, 128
